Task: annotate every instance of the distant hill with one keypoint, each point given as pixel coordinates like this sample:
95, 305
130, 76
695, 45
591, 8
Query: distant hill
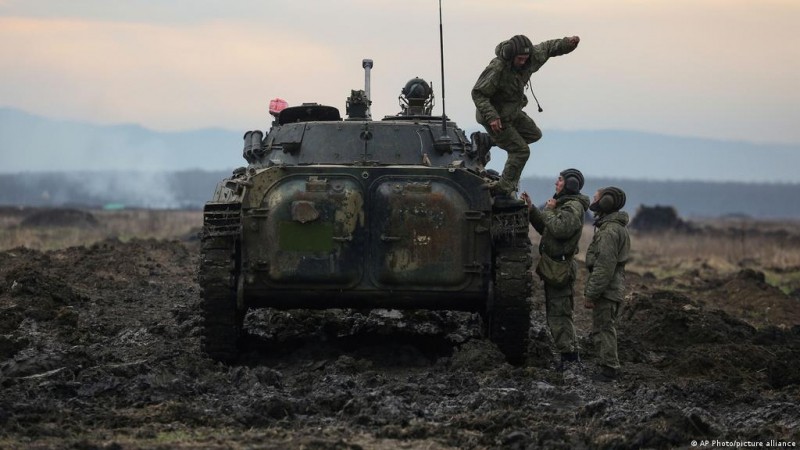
651, 156
30, 143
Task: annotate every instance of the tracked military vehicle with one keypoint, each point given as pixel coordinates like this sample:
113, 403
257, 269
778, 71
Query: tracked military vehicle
335, 212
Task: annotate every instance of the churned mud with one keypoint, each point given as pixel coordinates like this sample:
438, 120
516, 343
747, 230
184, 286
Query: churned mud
100, 348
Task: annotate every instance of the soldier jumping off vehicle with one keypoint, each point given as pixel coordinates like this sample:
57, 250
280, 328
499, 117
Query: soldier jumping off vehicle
605, 260
499, 96
560, 223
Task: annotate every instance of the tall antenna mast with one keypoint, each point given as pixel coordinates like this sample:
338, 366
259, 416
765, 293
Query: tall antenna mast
441, 56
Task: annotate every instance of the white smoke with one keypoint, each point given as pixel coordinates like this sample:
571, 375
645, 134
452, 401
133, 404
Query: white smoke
139, 189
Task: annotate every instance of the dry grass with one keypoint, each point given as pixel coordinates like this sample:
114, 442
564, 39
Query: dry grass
123, 225
677, 255
722, 252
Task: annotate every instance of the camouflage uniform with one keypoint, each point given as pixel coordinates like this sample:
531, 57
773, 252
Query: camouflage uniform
561, 229
500, 93
605, 259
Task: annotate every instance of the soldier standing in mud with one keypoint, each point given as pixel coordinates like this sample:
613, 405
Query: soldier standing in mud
560, 223
499, 96
605, 260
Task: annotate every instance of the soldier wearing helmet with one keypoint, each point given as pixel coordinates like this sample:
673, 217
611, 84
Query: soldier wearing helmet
499, 96
605, 260
560, 223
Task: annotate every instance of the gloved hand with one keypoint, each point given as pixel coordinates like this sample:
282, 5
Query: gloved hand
527, 198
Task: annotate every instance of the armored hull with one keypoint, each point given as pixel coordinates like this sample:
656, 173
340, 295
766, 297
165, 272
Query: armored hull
356, 213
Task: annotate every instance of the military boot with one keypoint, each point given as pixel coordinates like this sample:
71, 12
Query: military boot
570, 361
503, 193
605, 374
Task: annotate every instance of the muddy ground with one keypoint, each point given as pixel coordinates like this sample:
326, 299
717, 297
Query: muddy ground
100, 348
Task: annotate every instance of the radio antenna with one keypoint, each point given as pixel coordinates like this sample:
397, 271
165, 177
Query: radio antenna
441, 57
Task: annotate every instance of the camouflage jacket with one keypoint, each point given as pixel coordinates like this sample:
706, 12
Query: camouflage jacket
561, 226
500, 89
606, 258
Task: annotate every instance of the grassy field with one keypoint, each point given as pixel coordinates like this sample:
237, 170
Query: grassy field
674, 255
60, 228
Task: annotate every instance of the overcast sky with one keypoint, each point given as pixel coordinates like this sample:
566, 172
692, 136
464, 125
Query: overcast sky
725, 69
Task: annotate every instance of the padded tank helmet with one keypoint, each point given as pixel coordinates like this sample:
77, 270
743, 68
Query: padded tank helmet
573, 180
611, 199
517, 45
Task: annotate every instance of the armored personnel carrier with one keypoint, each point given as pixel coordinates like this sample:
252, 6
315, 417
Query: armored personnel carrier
335, 212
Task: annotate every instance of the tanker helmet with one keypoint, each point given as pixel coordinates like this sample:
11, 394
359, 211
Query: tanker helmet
517, 45
573, 180
612, 199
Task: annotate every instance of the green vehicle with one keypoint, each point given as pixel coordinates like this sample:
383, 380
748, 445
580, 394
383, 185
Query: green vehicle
335, 212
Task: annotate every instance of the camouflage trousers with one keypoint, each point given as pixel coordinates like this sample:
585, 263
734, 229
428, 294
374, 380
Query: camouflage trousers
514, 138
604, 332
559, 303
